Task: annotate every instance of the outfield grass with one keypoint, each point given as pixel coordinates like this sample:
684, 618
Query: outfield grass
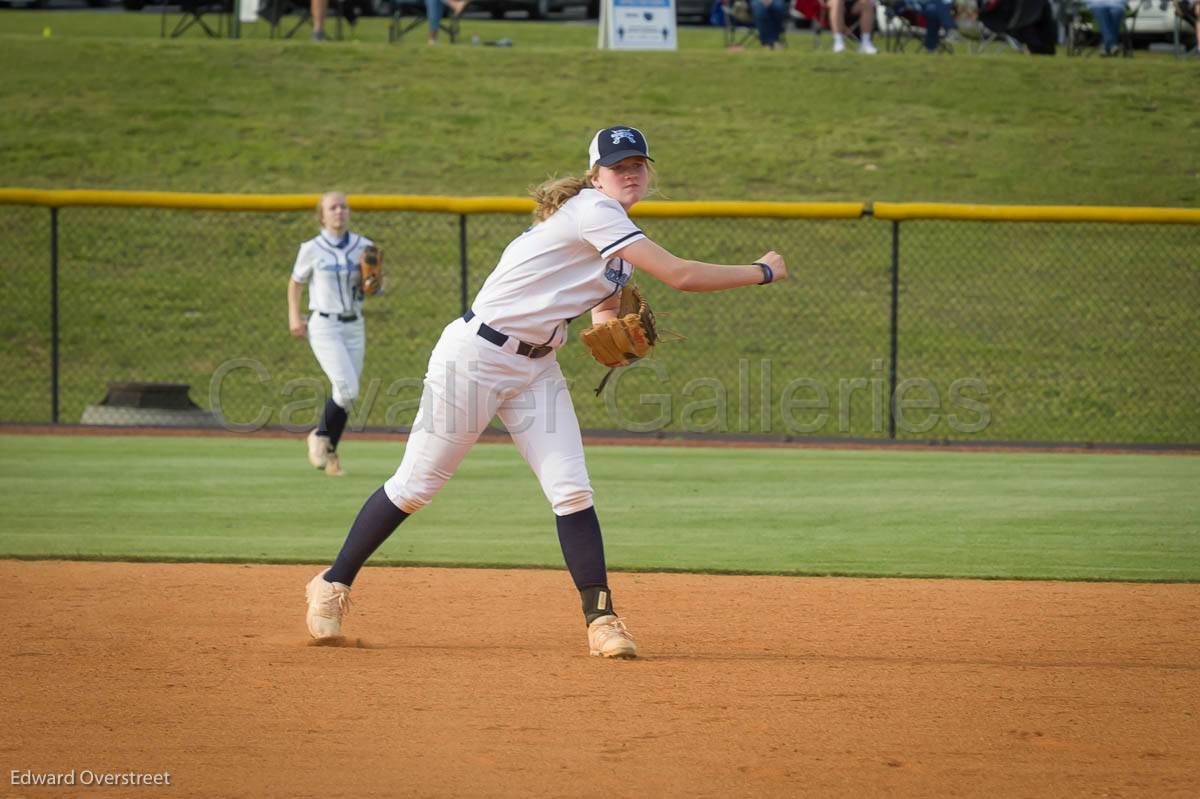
937, 514
104, 103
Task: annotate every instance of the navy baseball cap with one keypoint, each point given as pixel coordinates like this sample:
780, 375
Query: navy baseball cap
615, 144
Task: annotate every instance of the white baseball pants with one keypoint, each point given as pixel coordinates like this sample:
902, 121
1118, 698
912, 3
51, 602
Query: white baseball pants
469, 381
339, 347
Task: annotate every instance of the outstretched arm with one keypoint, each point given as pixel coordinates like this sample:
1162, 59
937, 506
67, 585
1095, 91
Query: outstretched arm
697, 275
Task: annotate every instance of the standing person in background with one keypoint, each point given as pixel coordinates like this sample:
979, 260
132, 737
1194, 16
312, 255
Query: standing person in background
328, 264
770, 17
317, 8
839, 10
1109, 14
499, 359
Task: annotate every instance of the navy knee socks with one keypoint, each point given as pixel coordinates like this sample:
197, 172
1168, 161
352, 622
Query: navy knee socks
333, 423
578, 534
377, 520
583, 550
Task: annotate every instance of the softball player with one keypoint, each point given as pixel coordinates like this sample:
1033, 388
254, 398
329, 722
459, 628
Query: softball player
328, 264
499, 359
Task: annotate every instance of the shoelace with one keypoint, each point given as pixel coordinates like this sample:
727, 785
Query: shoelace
614, 629
334, 605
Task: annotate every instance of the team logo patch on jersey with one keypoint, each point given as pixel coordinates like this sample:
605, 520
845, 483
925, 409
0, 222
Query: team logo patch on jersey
614, 272
622, 134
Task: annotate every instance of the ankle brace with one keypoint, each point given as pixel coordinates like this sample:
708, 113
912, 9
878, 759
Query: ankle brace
597, 602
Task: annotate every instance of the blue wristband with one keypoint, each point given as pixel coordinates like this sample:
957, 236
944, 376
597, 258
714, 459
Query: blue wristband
768, 275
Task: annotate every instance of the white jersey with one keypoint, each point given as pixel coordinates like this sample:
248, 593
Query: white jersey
558, 269
331, 270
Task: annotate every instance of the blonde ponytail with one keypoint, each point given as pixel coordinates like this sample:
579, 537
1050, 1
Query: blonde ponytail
551, 195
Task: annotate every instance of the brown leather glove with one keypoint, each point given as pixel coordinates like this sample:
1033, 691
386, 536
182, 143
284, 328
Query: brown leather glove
370, 266
621, 341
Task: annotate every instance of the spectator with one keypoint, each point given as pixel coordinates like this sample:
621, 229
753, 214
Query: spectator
1189, 12
839, 10
770, 16
938, 17
1030, 22
1109, 14
433, 13
350, 9
317, 8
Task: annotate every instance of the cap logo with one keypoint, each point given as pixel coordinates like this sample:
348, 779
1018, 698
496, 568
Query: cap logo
623, 133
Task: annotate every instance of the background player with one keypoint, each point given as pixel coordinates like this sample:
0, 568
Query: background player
499, 359
328, 264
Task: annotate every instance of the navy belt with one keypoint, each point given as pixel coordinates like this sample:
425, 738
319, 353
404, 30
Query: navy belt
341, 317
496, 337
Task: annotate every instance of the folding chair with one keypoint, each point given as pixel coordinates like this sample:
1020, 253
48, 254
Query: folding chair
1030, 22
739, 26
192, 12
1185, 15
817, 12
277, 8
905, 23
1081, 33
738, 23
408, 15
985, 38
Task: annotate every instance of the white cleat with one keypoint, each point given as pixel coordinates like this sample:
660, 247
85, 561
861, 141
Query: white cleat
839, 46
318, 450
333, 464
327, 603
608, 638
866, 48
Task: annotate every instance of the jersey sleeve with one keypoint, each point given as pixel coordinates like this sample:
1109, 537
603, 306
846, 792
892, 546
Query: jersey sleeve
606, 226
303, 268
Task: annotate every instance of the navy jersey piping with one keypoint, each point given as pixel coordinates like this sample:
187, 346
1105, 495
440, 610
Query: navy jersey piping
616, 244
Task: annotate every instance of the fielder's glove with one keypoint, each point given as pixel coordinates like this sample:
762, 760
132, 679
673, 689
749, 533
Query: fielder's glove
625, 339
370, 266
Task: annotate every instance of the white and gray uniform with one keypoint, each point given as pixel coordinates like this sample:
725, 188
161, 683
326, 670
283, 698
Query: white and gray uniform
335, 327
481, 366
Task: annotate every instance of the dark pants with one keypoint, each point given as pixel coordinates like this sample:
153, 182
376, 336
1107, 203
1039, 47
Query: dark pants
769, 19
1109, 19
937, 18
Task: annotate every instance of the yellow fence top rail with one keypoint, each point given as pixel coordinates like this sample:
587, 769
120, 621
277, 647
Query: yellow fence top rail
425, 204
660, 209
1035, 213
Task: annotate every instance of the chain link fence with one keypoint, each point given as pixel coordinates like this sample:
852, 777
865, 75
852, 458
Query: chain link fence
921, 329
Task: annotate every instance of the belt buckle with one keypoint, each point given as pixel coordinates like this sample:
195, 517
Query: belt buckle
539, 352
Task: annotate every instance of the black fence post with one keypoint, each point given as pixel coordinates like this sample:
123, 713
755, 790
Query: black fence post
462, 262
895, 329
54, 315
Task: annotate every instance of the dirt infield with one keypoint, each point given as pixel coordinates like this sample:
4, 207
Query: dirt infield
478, 683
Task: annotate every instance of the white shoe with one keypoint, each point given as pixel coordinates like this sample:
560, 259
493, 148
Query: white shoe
318, 450
327, 603
608, 638
866, 48
839, 46
333, 464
